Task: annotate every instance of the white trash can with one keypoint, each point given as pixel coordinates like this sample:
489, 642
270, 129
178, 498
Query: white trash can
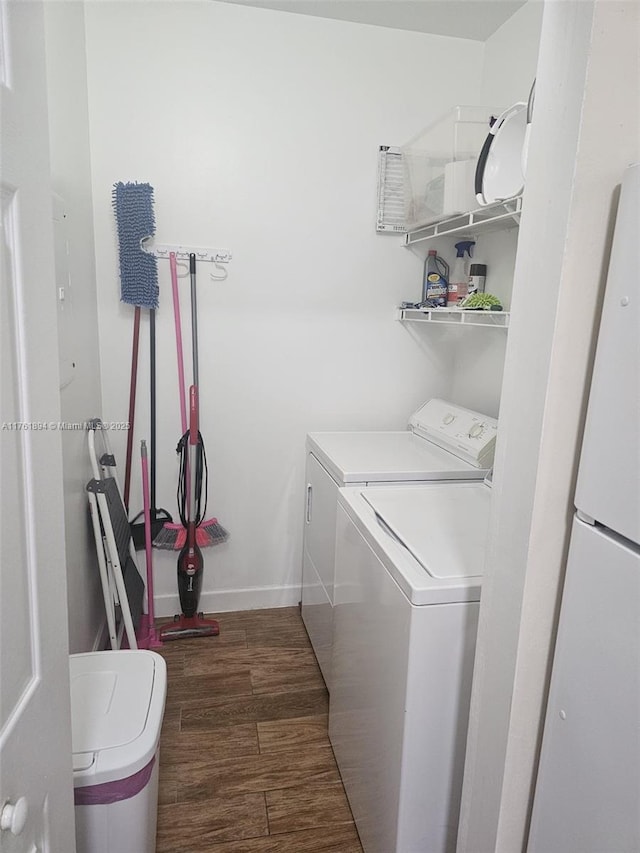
117, 706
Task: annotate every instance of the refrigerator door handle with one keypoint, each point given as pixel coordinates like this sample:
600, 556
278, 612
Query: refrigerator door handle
586, 518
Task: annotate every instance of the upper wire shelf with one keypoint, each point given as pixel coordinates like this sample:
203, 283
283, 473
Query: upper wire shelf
499, 215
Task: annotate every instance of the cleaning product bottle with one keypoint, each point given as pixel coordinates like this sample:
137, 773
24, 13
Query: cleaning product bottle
477, 278
459, 281
435, 281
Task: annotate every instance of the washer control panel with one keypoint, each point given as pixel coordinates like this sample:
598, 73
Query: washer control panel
463, 432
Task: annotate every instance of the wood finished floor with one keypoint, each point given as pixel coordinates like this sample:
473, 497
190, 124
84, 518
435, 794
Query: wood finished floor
245, 760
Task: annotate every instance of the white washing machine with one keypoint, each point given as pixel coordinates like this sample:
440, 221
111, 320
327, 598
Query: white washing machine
443, 442
409, 562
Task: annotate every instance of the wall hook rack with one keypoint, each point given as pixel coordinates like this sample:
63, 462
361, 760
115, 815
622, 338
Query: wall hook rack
163, 250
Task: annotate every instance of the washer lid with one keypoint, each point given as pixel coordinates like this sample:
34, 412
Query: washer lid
117, 704
444, 528
379, 457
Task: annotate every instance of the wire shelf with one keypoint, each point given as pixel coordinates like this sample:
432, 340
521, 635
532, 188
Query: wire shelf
500, 215
455, 317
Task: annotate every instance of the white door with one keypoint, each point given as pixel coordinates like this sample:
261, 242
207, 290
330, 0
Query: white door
607, 488
587, 797
36, 783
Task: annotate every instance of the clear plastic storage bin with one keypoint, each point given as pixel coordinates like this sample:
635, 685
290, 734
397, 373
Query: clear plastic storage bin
440, 164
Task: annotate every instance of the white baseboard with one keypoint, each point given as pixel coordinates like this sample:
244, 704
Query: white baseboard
226, 600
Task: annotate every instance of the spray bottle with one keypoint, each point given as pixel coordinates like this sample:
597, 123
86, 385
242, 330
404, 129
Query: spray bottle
435, 281
459, 281
477, 276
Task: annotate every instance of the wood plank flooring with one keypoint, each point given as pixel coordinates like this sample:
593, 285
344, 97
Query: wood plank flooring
246, 765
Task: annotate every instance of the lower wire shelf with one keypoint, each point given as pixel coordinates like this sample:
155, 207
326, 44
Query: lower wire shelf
455, 317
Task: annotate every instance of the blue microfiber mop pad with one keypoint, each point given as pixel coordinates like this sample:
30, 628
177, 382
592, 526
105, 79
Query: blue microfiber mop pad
133, 207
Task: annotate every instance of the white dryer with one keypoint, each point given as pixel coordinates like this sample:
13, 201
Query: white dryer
443, 442
409, 562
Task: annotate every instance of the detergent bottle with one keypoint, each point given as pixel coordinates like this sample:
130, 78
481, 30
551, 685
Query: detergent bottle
435, 281
459, 281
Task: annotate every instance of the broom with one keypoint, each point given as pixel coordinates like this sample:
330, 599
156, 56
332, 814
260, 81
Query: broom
173, 537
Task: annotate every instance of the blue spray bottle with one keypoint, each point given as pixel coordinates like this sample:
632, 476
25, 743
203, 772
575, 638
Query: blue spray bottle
459, 281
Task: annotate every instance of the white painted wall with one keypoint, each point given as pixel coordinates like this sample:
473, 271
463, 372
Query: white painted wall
511, 56
586, 131
80, 399
259, 131
509, 67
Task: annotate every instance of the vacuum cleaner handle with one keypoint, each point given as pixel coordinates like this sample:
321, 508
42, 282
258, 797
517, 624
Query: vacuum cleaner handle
193, 415
194, 317
176, 317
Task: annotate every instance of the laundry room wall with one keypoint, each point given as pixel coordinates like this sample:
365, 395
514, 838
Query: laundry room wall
259, 132
80, 395
509, 68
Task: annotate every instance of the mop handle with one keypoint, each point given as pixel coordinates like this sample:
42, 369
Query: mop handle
152, 406
194, 318
132, 405
176, 316
147, 531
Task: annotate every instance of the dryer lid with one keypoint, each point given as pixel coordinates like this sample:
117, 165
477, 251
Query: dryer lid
467, 434
444, 527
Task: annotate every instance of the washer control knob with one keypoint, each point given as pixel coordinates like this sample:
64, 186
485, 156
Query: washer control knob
448, 419
476, 430
14, 816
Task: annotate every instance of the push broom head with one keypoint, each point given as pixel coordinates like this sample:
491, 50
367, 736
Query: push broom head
135, 220
208, 532
173, 537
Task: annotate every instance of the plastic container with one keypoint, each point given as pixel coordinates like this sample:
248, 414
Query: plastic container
117, 706
439, 165
459, 280
477, 278
435, 281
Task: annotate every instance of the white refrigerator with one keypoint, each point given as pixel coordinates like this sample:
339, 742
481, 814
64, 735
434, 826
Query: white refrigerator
587, 797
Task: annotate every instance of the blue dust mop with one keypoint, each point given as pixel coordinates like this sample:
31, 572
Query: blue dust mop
135, 220
133, 206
